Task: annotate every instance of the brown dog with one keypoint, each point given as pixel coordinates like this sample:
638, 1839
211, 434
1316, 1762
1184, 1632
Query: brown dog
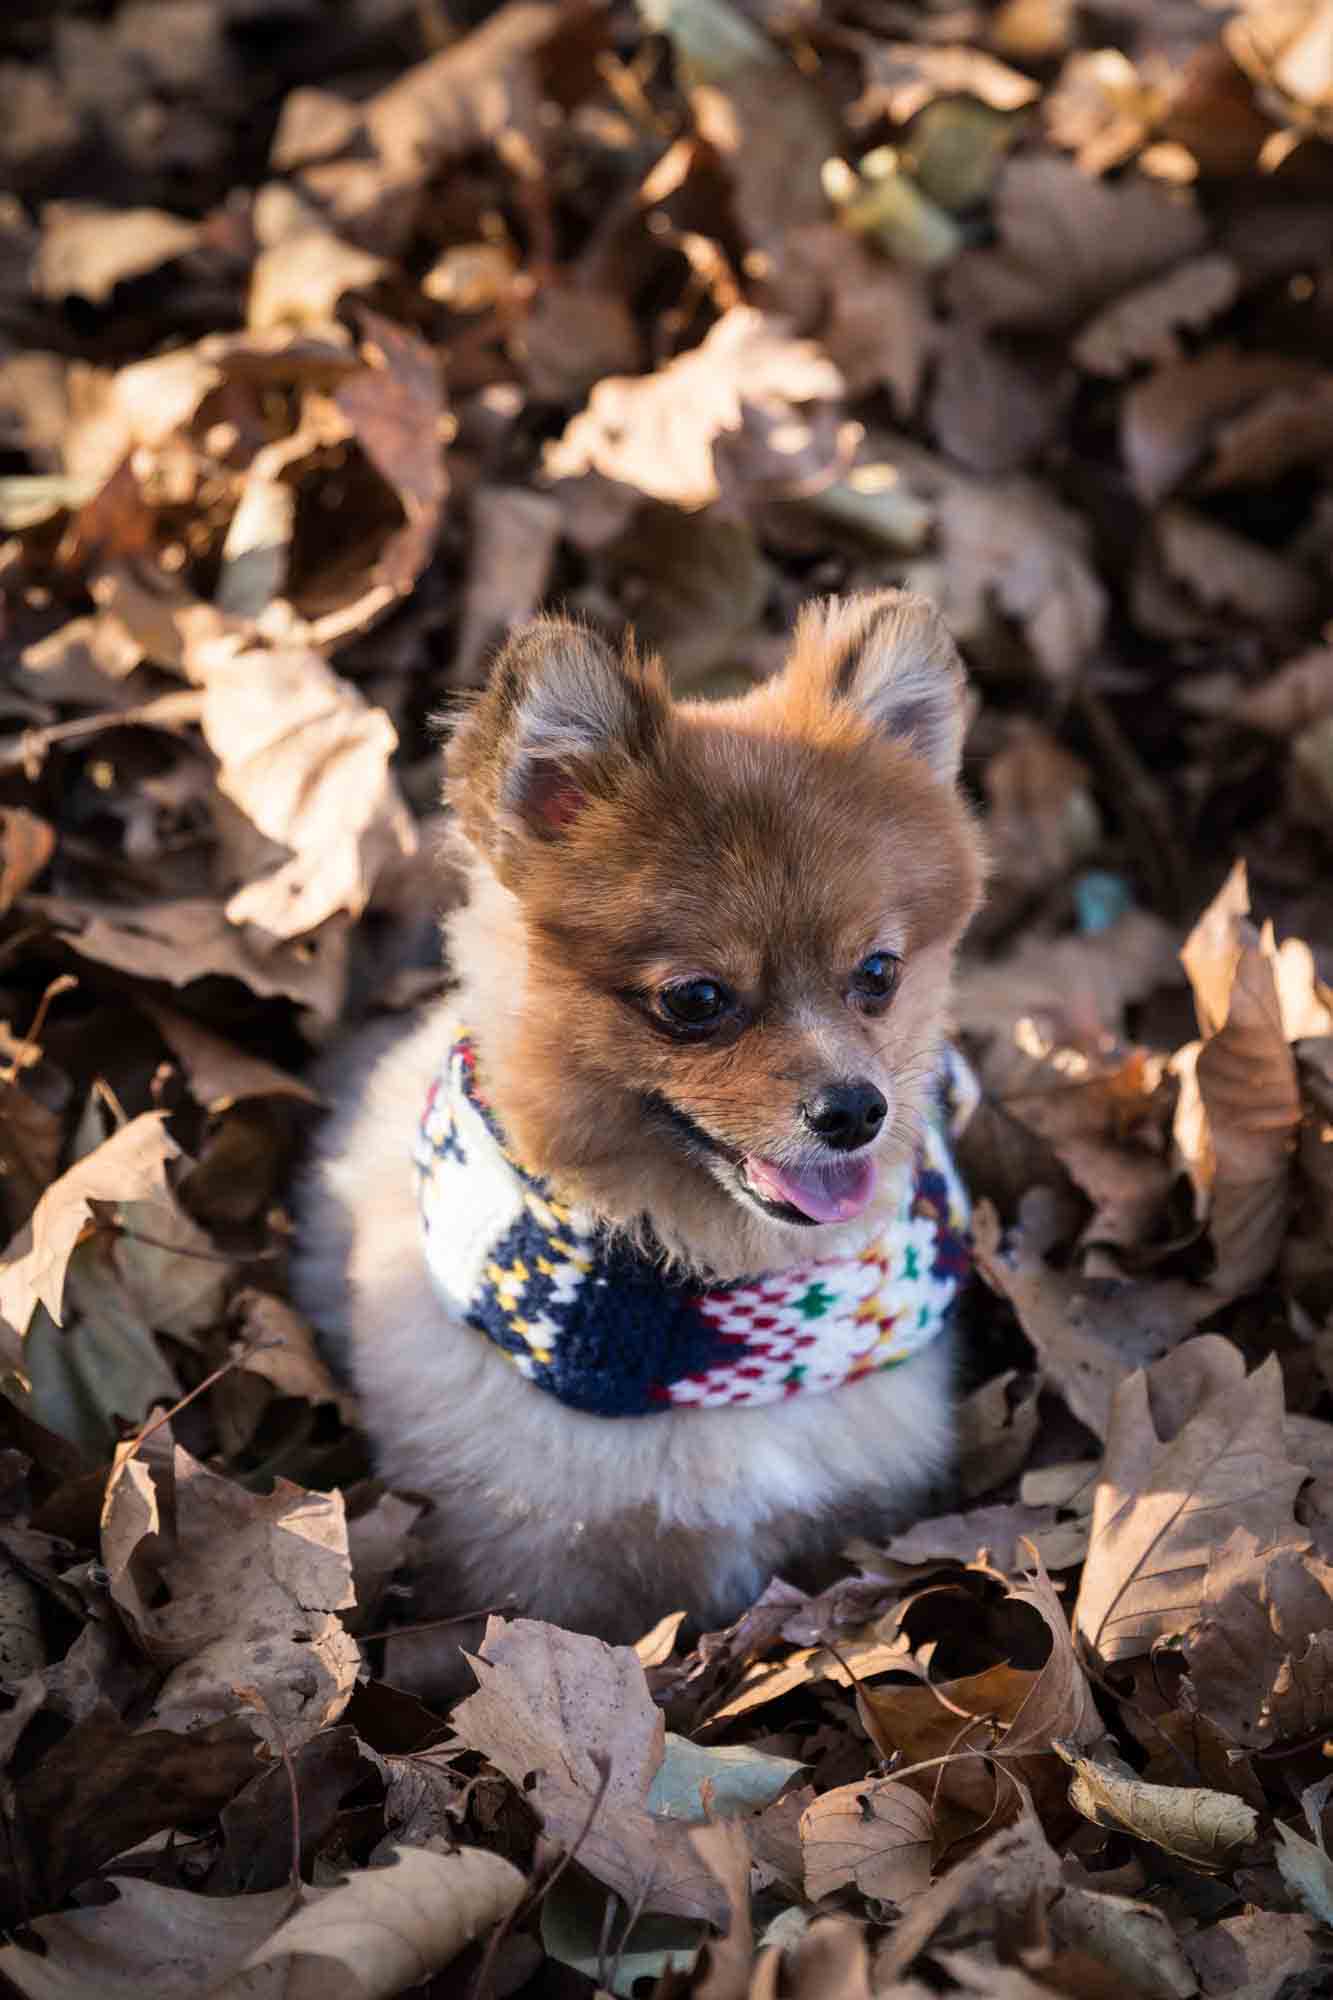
643, 1270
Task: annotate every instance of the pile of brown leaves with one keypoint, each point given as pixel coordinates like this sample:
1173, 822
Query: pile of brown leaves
334, 339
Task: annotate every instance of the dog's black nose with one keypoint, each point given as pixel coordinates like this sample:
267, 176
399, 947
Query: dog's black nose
846, 1115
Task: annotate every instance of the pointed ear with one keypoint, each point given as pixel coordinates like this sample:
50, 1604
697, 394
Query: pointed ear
560, 720
890, 656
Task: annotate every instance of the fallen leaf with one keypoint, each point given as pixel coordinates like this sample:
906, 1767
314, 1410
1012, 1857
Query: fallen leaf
131, 1164
395, 407
738, 1779
1086, 1332
181, 941
1134, 1941
384, 1929
26, 845
283, 1351
514, 537
1170, 421
87, 250
1193, 1450
1142, 326
362, 1940
283, 1559
658, 432
1251, 1955
1299, 693
1060, 1702
533, 1677
1068, 244
306, 759
1011, 544
876, 1835
220, 1075
1241, 1141
1206, 1829
1260, 1657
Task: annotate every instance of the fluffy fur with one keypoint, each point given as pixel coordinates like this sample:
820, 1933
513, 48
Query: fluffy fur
615, 842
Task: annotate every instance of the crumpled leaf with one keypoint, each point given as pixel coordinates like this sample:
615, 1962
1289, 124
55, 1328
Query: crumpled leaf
1194, 1449
1238, 1133
131, 1165
1204, 1828
307, 760
533, 1679
658, 432
170, 1526
876, 1835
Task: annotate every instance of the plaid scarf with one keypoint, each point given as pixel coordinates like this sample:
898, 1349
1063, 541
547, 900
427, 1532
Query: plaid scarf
604, 1327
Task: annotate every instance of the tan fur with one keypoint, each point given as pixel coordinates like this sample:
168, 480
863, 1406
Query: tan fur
615, 841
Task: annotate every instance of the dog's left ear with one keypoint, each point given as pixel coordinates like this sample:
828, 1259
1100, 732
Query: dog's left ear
890, 655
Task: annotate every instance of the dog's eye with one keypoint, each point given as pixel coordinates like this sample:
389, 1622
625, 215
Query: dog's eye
875, 980
694, 1003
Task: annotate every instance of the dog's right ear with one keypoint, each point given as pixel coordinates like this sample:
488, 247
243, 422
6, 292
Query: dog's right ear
561, 719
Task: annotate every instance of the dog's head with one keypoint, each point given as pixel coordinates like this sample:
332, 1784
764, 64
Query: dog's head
725, 929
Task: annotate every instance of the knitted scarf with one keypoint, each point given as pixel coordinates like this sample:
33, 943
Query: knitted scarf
605, 1328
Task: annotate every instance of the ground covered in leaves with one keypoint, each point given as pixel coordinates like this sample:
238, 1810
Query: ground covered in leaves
335, 338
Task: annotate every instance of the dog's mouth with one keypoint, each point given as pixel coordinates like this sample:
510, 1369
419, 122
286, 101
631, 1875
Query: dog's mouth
830, 1191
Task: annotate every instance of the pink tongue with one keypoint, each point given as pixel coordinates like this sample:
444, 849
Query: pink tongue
826, 1194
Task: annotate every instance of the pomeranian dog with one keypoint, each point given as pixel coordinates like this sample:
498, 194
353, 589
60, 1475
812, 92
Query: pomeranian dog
643, 1241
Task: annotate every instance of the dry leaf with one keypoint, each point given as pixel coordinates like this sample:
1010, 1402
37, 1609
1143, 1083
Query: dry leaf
1261, 1655
1068, 244
131, 1165
385, 1929
1240, 1138
657, 432
876, 1835
534, 1679
282, 1559
1202, 1827
307, 760
220, 1075
26, 845
1142, 326
1086, 1333
1298, 694
86, 250
1194, 1450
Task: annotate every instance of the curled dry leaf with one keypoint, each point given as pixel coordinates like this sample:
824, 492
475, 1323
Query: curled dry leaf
1207, 1829
876, 1835
1194, 1450
306, 759
533, 1679
131, 1165
383, 1930
657, 432
1060, 1702
395, 407
1133, 1940
282, 1559
1240, 1135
